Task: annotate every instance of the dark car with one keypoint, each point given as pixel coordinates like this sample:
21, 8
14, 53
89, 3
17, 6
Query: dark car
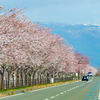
84, 78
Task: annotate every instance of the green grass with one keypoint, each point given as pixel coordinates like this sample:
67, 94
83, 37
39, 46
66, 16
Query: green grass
8, 93
12, 93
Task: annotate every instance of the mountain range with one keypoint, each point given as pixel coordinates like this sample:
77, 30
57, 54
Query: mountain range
84, 38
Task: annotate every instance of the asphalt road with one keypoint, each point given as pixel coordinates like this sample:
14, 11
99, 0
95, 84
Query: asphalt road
81, 90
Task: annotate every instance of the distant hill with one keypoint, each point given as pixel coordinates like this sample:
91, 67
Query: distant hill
84, 38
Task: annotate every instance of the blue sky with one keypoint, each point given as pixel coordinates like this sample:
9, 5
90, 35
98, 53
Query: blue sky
66, 11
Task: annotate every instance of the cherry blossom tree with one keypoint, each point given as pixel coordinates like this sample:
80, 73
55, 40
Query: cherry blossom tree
20, 39
24, 42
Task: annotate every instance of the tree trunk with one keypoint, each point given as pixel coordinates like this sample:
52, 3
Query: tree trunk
63, 77
4, 78
14, 79
39, 77
26, 78
23, 78
53, 76
47, 77
35, 78
31, 79
59, 77
9, 80
19, 80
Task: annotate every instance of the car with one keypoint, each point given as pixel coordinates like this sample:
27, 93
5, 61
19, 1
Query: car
85, 78
89, 73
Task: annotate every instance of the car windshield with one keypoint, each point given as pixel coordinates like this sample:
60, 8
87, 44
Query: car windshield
89, 73
84, 76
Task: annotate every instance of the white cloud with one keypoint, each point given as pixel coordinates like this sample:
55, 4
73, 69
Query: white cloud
96, 24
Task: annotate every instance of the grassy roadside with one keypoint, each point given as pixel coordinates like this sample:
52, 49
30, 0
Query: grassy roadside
30, 88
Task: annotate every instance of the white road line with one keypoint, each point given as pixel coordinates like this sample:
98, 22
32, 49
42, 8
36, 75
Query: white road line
67, 90
11, 95
52, 86
52, 96
89, 81
76, 87
83, 83
46, 99
61, 93
99, 96
57, 95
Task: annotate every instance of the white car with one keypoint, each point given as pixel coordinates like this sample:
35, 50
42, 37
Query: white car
90, 74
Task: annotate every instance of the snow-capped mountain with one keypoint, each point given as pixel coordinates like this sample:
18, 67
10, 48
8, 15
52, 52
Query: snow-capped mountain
83, 37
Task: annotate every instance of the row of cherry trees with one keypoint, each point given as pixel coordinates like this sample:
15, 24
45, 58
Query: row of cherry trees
27, 43
17, 76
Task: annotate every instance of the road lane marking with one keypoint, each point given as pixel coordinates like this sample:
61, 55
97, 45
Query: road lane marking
92, 90
46, 99
99, 96
88, 95
57, 95
11, 96
52, 86
52, 96
89, 81
68, 90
